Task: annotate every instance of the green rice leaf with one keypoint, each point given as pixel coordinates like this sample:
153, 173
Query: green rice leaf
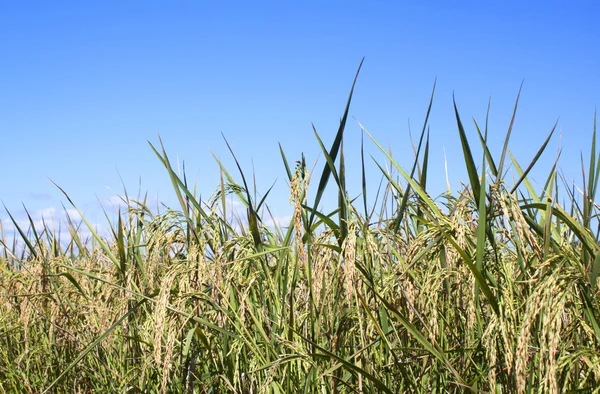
535, 159
333, 152
508, 133
471, 169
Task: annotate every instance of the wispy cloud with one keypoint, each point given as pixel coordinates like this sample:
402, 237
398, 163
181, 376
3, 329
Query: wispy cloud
116, 201
46, 213
278, 221
236, 211
73, 214
51, 219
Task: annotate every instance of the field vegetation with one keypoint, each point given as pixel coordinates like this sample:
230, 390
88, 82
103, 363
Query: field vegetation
493, 288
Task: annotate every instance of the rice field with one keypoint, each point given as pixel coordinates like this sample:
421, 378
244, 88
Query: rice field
493, 288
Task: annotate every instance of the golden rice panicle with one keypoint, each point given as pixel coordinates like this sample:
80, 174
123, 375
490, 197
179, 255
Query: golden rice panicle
322, 262
172, 323
161, 314
349, 261
298, 192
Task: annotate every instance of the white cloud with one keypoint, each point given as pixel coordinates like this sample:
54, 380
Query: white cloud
46, 212
116, 201
7, 225
73, 214
55, 221
280, 221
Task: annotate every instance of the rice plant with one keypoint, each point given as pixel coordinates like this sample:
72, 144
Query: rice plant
489, 289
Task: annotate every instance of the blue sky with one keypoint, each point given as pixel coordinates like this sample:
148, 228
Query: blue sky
85, 85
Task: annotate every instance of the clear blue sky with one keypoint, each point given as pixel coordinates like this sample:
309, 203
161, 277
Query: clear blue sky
85, 85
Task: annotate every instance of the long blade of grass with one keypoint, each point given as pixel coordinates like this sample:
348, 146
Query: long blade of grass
535, 159
323, 218
363, 177
333, 152
423, 178
593, 181
342, 199
288, 171
589, 186
105, 247
252, 214
532, 193
264, 198
179, 186
508, 133
471, 169
414, 184
34, 230
482, 228
583, 234
21, 233
484, 145
404, 202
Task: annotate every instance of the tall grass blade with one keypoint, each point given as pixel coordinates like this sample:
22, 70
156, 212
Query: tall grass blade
253, 218
403, 204
288, 171
342, 199
532, 193
33, 230
21, 233
508, 133
482, 227
582, 233
333, 152
471, 169
414, 184
364, 178
535, 159
483, 140
114, 259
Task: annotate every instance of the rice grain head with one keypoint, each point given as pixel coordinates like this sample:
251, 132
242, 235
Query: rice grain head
350, 272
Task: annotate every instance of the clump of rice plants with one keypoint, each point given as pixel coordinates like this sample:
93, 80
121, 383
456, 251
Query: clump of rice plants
492, 288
